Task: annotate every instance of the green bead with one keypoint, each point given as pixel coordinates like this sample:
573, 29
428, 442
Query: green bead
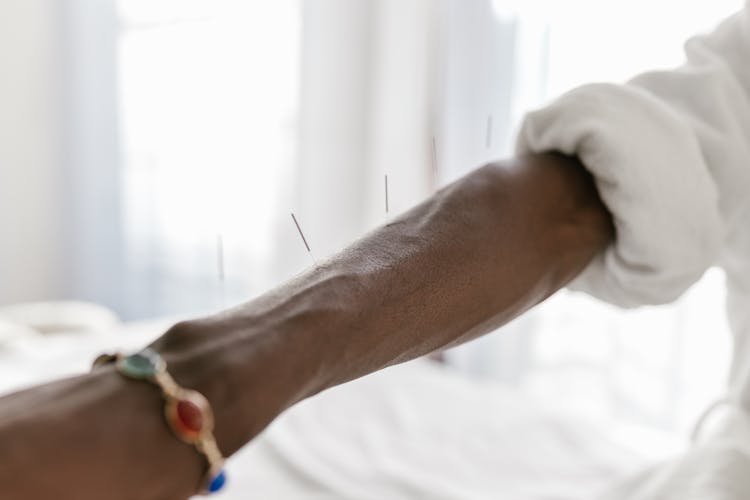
142, 365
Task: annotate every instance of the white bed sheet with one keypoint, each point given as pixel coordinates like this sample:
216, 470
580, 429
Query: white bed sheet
417, 431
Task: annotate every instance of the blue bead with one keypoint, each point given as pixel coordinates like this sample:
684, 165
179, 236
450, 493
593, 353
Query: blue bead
217, 482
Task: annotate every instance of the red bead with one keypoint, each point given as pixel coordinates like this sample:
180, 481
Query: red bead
189, 416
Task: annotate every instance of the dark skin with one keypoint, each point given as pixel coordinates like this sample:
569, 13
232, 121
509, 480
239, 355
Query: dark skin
469, 259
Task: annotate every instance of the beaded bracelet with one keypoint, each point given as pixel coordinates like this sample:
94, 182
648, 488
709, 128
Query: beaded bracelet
187, 412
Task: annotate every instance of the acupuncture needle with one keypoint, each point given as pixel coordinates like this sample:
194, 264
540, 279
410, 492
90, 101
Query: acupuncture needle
304, 240
387, 201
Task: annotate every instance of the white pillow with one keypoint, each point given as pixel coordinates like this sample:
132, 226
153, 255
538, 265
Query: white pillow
11, 331
51, 317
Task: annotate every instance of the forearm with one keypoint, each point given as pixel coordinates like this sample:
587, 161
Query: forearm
469, 259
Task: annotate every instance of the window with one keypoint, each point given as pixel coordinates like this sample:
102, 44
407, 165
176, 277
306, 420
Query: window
208, 103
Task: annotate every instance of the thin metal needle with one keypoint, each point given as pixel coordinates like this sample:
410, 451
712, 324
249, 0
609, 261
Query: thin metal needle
304, 240
387, 208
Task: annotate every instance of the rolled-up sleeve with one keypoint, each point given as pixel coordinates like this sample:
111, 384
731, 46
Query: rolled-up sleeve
670, 154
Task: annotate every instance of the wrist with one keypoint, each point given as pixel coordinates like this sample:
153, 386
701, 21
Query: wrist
255, 362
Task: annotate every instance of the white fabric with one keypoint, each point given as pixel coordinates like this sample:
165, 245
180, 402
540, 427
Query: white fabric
421, 431
670, 153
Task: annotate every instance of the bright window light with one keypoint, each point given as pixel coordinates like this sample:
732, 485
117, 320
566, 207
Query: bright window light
208, 100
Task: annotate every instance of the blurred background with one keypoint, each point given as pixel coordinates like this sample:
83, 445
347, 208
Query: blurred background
152, 151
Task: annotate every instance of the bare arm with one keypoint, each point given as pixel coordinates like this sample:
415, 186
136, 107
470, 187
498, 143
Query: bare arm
472, 257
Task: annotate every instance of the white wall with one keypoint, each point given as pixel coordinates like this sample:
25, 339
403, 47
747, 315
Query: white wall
59, 185
88, 98
30, 240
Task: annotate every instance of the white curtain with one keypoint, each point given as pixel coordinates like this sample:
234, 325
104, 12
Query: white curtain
59, 157
236, 114
367, 94
209, 112
30, 201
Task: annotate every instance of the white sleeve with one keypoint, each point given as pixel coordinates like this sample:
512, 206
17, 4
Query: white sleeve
670, 154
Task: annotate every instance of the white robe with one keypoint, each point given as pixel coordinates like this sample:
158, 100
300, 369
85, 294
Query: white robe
670, 153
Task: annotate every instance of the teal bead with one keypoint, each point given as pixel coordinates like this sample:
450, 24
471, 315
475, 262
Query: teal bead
142, 365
